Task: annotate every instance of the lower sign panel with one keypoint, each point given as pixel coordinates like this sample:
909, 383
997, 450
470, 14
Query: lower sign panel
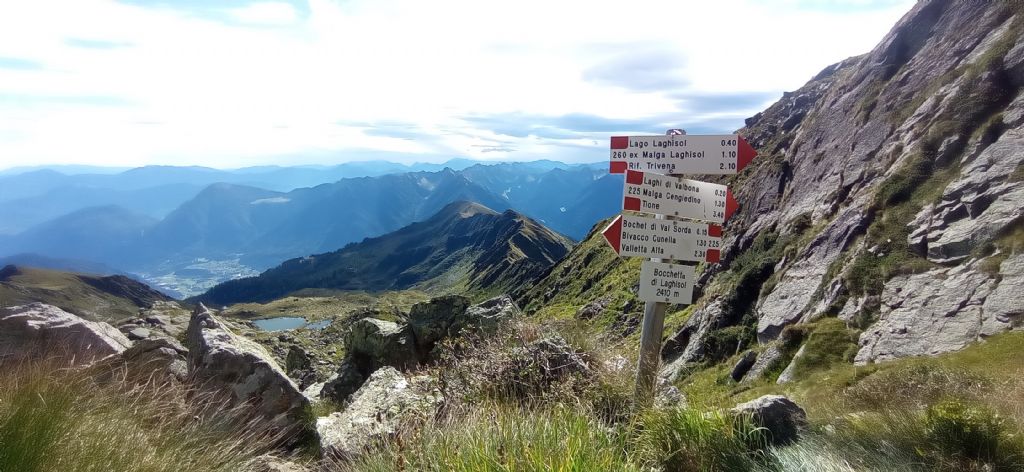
666, 283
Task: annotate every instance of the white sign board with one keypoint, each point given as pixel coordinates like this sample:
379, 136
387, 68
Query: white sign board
642, 236
674, 196
680, 154
666, 283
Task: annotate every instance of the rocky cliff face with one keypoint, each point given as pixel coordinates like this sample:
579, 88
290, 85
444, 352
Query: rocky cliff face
889, 192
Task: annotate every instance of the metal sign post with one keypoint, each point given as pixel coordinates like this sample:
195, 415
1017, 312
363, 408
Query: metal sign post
650, 349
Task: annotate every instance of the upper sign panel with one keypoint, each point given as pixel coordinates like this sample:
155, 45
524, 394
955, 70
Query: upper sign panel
685, 154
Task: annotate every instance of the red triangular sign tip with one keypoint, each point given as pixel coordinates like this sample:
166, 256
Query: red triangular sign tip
745, 153
613, 233
731, 205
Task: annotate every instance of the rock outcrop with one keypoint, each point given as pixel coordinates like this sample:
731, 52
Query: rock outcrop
377, 411
433, 320
242, 372
944, 310
155, 357
373, 343
38, 330
162, 319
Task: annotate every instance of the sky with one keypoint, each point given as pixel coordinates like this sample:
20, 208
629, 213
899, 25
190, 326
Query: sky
242, 83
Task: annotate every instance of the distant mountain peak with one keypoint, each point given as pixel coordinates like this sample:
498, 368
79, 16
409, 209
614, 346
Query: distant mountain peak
465, 247
465, 209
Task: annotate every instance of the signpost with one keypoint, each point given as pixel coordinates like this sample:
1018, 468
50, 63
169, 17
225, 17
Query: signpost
641, 236
681, 154
647, 161
674, 196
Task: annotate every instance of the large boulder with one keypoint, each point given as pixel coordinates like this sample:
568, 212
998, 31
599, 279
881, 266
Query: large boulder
381, 406
777, 414
433, 320
39, 330
380, 343
243, 372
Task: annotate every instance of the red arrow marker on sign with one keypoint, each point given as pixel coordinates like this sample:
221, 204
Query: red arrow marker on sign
731, 205
745, 153
613, 234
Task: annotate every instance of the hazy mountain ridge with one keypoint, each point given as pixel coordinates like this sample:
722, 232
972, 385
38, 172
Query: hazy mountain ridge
236, 228
464, 247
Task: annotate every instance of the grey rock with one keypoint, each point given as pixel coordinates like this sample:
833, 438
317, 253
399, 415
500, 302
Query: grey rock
616, 364
38, 330
381, 343
298, 365
555, 358
789, 300
687, 345
432, 321
154, 356
488, 315
377, 411
927, 314
1013, 63
980, 204
269, 463
137, 334
668, 396
856, 309
349, 377
766, 360
163, 319
243, 372
593, 309
743, 365
780, 416
1004, 308
787, 375
315, 392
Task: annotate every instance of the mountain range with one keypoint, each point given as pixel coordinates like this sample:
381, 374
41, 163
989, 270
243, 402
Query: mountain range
227, 230
464, 248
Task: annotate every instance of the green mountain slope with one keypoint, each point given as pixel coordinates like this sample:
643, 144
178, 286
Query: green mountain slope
464, 247
93, 297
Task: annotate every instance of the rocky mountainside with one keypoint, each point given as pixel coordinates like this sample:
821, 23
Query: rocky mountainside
92, 297
465, 246
889, 193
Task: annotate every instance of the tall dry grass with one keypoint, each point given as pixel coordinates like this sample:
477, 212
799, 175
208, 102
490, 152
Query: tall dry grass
54, 417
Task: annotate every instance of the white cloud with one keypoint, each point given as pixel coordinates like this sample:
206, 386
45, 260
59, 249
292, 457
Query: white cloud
191, 88
265, 13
